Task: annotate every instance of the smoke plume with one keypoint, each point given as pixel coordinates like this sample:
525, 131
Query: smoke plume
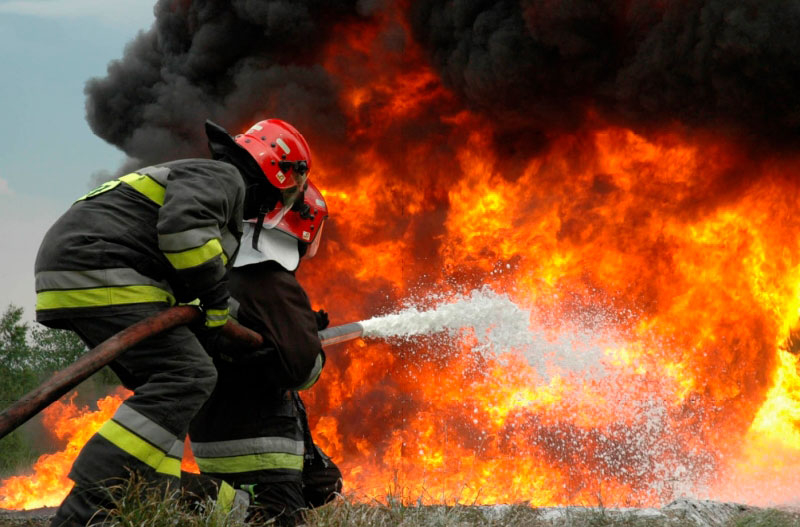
232, 62
720, 64
534, 67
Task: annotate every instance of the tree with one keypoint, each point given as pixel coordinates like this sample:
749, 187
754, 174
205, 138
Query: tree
15, 378
28, 355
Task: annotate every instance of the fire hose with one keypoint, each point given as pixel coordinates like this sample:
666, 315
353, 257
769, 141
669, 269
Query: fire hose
64, 380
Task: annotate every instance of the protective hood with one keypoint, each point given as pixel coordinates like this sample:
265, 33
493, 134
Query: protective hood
273, 245
224, 147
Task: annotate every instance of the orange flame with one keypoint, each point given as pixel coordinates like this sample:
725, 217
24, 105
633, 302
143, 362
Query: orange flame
48, 484
662, 275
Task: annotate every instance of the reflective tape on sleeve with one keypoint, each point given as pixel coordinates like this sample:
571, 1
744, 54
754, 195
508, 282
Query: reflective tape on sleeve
196, 256
182, 241
314, 375
216, 317
159, 174
147, 186
105, 187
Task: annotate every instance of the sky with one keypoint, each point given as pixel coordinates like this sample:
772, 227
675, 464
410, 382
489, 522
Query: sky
48, 154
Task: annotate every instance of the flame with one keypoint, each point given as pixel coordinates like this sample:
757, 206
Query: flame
675, 257
661, 269
47, 484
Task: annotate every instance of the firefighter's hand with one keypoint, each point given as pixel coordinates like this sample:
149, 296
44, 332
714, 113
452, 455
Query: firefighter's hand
214, 303
216, 317
322, 319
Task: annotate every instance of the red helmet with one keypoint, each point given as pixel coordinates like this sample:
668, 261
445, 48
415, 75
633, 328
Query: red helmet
305, 223
284, 157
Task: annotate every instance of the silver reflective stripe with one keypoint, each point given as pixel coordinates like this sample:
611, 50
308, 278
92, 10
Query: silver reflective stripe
233, 308
145, 428
50, 280
242, 447
229, 242
158, 174
314, 375
177, 449
181, 241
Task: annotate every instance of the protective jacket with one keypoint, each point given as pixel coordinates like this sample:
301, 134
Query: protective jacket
249, 431
147, 239
125, 251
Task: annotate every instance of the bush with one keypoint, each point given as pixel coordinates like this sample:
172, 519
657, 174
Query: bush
28, 356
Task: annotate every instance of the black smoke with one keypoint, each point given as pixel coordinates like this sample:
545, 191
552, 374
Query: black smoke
534, 65
230, 61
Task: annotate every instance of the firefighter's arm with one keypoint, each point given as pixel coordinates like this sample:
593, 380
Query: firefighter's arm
273, 303
200, 200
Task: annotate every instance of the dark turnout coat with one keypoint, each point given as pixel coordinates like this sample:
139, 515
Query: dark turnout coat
248, 430
161, 234
127, 250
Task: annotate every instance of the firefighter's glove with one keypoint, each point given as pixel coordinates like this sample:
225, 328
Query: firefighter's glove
322, 319
216, 317
214, 302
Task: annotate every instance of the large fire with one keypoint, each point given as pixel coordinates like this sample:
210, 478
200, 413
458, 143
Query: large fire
662, 269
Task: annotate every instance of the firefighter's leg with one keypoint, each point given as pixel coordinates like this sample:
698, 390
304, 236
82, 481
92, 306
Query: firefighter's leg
200, 491
248, 434
281, 503
322, 479
171, 376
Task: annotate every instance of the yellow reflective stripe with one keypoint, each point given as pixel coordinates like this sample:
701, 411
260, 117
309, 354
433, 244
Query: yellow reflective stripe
137, 447
101, 296
147, 186
216, 317
105, 187
169, 466
235, 464
313, 377
197, 256
225, 498
309, 383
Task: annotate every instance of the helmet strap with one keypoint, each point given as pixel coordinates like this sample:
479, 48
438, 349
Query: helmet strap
257, 232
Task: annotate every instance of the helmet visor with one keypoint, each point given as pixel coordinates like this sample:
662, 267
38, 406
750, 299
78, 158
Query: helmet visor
314, 247
297, 172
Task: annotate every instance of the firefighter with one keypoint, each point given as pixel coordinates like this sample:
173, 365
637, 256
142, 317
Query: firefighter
253, 431
135, 246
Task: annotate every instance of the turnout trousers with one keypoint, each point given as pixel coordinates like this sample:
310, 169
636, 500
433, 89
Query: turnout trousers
171, 376
256, 437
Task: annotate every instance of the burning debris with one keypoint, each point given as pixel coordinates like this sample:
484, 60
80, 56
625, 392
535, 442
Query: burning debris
614, 161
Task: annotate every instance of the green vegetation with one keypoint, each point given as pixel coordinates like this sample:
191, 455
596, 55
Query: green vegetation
768, 518
29, 354
135, 507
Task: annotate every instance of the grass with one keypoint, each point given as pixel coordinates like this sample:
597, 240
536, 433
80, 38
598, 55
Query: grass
137, 506
768, 518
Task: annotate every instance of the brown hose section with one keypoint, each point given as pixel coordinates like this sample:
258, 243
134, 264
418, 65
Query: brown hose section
64, 380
